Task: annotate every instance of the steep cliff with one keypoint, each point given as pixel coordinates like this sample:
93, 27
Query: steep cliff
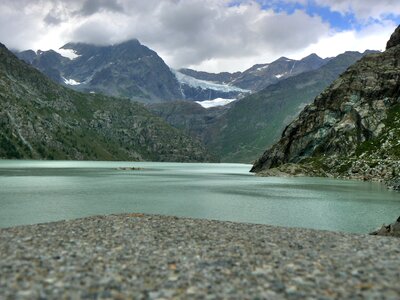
351, 130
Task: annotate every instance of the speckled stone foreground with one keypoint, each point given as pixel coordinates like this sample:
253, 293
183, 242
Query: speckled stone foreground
136, 256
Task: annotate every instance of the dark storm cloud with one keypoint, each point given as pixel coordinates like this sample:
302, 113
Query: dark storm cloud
91, 7
52, 19
56, 15
195, 32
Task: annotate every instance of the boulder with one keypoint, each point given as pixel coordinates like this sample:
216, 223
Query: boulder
389, 230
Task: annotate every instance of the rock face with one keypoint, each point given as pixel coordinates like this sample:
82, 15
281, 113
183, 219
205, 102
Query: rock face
394, 39
352, 129
40, 119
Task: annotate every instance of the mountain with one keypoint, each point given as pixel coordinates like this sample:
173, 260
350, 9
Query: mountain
351, 130
254, 122
40, 119
134, 71
129, 70
261, 75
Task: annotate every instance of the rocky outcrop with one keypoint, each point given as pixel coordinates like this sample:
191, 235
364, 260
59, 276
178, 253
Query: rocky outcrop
389, 230
351, 130
394, 39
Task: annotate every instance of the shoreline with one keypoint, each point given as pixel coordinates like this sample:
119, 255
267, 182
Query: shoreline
160, 257
305, 170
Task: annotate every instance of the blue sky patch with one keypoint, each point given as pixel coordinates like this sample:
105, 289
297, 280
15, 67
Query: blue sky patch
336, 20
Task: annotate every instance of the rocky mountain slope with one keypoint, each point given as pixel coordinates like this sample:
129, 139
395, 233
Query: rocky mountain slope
351, 130
42, 120
128, 70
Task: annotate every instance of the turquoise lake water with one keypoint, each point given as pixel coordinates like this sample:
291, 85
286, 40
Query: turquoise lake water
42, 191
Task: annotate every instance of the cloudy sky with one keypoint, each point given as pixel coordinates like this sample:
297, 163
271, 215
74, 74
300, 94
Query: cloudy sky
211, 35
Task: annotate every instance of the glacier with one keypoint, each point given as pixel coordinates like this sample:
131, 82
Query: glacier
71, 81
206, 85
215, 102
68, 53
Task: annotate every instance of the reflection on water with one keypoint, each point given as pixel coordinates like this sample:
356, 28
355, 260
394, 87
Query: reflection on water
42, 191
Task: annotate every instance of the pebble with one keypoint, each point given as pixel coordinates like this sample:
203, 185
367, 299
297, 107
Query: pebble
136, 256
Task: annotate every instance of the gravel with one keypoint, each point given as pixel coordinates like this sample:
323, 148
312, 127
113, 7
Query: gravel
136, 256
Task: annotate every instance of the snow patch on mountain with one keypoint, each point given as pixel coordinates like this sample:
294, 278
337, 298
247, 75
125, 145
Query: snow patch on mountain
68, 53
263, 67
206, 85
71, 81
280, 75
215, 102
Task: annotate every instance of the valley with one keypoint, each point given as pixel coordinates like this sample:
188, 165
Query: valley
189, 149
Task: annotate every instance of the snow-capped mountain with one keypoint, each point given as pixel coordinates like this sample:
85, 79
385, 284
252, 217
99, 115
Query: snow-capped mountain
260, 76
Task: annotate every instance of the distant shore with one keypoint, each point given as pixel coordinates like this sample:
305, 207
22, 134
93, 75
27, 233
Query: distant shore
160, 257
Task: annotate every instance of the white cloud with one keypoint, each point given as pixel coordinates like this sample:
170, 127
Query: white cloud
204, 34
363, 9
373, 37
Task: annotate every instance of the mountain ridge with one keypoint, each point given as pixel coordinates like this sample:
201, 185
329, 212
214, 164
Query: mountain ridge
259, 76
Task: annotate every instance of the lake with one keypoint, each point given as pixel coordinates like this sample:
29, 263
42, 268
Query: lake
42, 191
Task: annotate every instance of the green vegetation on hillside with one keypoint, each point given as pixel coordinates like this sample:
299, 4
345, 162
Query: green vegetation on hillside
40, 119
